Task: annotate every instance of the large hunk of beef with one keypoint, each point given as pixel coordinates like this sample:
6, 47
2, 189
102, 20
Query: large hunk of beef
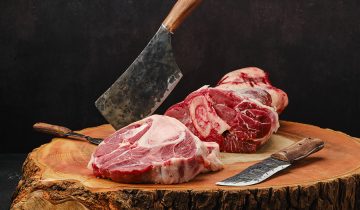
240, 114
252, 77
157, 149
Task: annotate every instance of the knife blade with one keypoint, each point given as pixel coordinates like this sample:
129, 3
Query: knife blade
275, 163
61, 131
147, 82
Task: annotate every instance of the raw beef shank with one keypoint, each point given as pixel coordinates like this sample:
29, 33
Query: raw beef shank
240, 114
250, 78
157, 149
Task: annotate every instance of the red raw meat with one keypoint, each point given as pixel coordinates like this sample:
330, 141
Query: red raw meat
253, 77
239, 114
157, 149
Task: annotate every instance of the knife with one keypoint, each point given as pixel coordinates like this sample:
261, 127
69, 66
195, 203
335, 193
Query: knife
275, 163
61, 131
140, 90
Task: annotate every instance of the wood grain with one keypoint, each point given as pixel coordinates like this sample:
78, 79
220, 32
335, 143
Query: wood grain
56, 177
179, 12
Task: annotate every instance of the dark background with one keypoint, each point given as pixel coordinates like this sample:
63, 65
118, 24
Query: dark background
58, 57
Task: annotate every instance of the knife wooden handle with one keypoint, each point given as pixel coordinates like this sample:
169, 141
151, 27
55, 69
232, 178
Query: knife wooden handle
179, 12
52, 129
299, 150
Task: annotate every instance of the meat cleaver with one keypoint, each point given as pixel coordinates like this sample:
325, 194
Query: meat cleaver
275, 163
140, 90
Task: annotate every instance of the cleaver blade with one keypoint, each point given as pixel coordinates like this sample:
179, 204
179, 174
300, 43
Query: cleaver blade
275, 163
146, 83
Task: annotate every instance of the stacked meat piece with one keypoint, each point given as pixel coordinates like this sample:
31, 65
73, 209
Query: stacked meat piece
240, 113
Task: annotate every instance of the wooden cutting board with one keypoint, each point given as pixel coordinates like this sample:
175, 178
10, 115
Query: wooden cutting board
55, 176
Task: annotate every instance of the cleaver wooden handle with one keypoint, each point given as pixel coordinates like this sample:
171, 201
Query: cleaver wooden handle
179, 12
51, 129
299, 150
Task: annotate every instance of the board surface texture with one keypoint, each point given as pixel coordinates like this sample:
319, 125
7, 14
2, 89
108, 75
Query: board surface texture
55, 176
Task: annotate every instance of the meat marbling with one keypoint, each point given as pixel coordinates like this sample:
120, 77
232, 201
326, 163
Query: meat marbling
253, 77
240, 113
157, 149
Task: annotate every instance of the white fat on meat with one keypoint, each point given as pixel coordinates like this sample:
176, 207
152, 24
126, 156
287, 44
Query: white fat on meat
204, 116
252, 77
157, 149
240, 113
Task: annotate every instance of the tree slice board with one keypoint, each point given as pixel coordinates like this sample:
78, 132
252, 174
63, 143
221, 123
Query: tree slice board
55, 176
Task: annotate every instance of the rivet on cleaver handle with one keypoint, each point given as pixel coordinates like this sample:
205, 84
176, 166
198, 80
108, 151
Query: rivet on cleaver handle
142, 88
277, 162
61, 131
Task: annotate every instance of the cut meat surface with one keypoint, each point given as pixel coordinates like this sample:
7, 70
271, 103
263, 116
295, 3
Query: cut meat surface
237, 123
251, 78
157, 149
240, 114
